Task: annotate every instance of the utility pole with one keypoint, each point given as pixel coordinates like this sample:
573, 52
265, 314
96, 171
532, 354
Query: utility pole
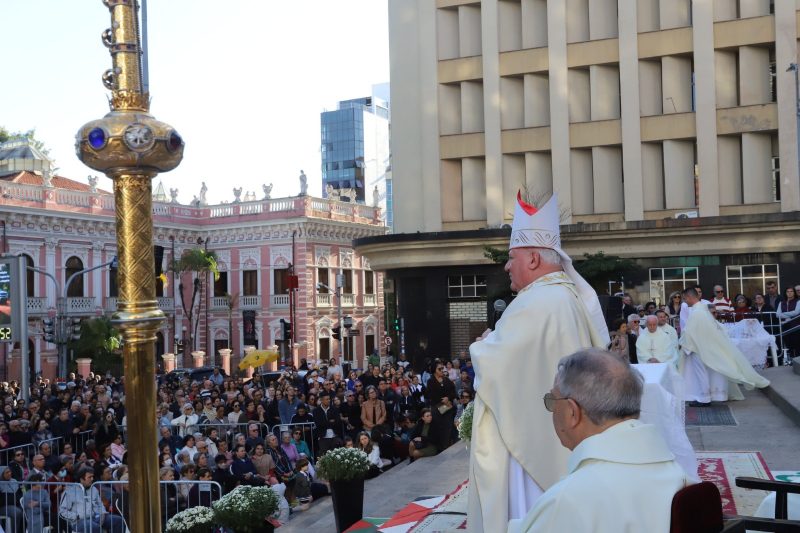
339, 286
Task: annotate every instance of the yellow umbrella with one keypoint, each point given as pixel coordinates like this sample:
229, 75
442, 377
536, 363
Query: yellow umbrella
257, 358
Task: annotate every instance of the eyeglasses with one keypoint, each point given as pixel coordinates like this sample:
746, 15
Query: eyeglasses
18, 454
550, 401
719, 292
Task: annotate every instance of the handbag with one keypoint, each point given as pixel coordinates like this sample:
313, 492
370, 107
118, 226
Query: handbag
443, 408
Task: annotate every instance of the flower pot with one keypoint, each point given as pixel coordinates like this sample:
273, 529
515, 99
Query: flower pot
348, 502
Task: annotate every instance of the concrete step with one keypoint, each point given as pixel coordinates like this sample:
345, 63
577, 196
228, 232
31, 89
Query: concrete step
784, 389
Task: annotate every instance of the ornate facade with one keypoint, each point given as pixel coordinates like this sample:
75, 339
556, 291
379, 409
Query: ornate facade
69, 226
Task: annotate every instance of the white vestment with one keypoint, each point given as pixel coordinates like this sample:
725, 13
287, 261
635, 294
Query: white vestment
514, 369
686, 311
659, 345
620, 480
704, 338
670, 331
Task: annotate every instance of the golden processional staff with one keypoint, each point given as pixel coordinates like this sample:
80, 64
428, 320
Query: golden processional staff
131, 147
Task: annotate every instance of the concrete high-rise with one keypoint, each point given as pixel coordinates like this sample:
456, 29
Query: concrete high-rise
638, 114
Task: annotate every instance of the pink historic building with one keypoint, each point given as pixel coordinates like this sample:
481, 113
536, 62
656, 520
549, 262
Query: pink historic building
63, 226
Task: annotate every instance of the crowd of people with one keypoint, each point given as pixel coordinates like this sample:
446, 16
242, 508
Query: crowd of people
779, 313
268, 430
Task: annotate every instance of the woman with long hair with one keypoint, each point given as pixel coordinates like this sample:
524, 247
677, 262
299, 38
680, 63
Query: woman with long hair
789, 315
421, 444
673, 307
366, 445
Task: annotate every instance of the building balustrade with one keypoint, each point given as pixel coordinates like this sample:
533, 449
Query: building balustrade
37, 305
81, 305
280, 300
323, 299
252, 301
348, 300
370, 300
219, 302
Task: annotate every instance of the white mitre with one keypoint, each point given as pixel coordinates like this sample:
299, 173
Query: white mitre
539, 228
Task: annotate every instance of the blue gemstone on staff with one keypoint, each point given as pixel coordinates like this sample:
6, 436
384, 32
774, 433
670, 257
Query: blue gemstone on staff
97, 138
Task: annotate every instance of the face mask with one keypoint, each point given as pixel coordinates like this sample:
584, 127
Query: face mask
62, 473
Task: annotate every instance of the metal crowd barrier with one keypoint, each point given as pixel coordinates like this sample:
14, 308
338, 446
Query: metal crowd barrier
81, 439
56, 445
308, 433
69, 508
7, 454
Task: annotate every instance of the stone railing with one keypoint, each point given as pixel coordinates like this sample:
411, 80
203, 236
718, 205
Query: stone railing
81, 305
348, 300
250, 302
323, 299
219, 302
37, 305
165, 303
277, 208
370, 300
279, 300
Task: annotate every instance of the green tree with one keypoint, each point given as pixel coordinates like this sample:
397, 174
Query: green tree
598, 269
30, 135
196, 262
100, 342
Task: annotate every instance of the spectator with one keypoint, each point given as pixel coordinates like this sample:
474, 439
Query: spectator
442, 395
373, 411
288, 406
283, 467
82, 507
373, 454
10, 493
289, 448
243, 468
301, 444
621, 343
673, 307
222, 474
253, 437
328, 426
773, 297
36, 504
106, 431
422, 444
265, 466
721, 302
186, 423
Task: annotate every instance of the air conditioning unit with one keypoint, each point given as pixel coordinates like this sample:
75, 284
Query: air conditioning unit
687, 214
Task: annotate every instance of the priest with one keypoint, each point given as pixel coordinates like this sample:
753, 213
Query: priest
713, 367
656, 345
555, 313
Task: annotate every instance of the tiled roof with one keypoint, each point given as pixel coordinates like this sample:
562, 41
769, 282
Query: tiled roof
59, 182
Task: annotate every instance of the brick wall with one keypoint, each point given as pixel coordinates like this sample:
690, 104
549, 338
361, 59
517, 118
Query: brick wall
467, 321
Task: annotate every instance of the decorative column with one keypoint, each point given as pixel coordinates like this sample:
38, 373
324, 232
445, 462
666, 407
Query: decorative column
198, 358
225, 355
131, 147
84, 366
249, 370
169, 362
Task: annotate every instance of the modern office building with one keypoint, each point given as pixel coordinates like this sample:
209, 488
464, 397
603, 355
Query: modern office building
63, 226
355, 152
668, 129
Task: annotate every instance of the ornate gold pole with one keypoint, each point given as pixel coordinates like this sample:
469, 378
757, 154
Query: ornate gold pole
131, 147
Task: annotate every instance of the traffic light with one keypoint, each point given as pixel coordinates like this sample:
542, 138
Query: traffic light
337, 333
49, 327
75, 334
397, 324
286, 329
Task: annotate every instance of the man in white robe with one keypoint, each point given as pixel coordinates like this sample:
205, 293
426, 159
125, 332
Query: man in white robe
685, 308
554, 314
621, 476
655, 345
713, 367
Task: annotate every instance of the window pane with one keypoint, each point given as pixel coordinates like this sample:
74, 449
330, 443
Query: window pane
250, 282
672, 286
673, 273
752, 271
690, 274
454, 292
734, 271
480, 280
771, 271
656, 274
453, 281
734, 287
751, 286
481, 290
469, 291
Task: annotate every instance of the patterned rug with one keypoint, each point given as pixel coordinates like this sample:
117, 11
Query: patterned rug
722, 469
712, 415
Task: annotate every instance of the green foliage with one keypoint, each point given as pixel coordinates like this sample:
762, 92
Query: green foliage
496, 255
30, 135
101, 342
598, 269
197, 261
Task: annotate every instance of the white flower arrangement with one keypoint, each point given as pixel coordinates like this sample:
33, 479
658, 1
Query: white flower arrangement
465, 423
246, 508
343, 464
193, 520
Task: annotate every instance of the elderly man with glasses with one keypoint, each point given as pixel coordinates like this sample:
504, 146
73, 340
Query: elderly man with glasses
621, 475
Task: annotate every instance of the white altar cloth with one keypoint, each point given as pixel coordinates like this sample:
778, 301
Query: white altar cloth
662, 406
753, 341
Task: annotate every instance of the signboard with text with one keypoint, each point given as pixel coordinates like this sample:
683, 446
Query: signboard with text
13, 299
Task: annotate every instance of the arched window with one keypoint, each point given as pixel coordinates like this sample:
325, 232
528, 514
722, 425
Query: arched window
73, 265
29, 275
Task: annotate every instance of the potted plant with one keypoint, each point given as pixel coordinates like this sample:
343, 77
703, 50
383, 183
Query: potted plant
193, 520
465, 423
344, 469
247, 509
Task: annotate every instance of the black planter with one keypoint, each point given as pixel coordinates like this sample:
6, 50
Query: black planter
348, 502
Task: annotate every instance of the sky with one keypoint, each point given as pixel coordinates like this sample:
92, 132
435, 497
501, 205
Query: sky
242, 81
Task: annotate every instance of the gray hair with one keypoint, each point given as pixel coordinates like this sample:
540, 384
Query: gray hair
606, 387
548, 256
633, 316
